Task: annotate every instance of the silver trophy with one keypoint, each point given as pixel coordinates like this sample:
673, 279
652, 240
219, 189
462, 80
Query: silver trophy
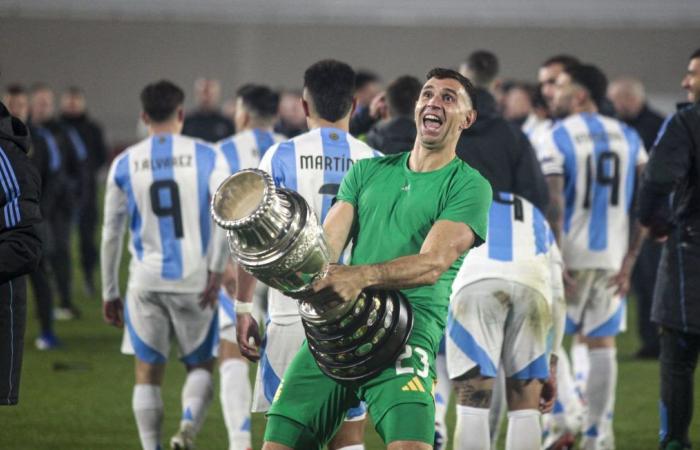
275, 236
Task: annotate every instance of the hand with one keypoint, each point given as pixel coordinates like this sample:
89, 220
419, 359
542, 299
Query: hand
549, 390
378, 107
210, 295
621, 280
113, 312
341, 282
246, 328
569, 283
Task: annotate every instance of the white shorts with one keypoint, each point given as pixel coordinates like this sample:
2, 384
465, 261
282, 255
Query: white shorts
593, 309
279, 347
492, 322
153, 319
227, 317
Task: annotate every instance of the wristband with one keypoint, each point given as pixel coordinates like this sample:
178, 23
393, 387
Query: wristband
243, 307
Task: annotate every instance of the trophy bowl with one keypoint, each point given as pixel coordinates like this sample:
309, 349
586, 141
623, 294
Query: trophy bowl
275, 236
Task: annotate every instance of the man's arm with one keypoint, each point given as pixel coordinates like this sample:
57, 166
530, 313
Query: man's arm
446, 241
337, 227
20, 246
114, 223
555, 210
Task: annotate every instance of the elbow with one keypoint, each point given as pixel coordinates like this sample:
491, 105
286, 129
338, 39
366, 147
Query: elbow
438, 266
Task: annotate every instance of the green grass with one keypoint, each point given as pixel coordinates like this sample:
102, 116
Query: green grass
79, 396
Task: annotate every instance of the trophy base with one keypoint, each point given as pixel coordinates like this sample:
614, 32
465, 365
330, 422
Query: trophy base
365, 340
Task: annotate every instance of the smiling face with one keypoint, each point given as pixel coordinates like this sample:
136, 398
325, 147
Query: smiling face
443, 110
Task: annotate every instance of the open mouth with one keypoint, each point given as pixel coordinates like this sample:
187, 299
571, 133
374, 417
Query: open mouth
432, 122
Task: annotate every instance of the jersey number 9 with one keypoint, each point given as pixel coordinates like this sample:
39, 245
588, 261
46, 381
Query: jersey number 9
165, 202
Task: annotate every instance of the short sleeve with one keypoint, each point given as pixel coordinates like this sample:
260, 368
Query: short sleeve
352, 183
549, 152
266, 161
469, 202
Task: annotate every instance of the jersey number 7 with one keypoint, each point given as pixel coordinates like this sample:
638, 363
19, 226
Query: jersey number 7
165, 202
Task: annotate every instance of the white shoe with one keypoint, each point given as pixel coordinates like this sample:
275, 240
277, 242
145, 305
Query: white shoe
183, 439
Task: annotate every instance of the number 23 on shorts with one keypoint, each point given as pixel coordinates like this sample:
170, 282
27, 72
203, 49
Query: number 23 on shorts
404, 366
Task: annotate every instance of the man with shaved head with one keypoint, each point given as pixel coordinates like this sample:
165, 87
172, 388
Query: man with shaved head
628, 97
206, 121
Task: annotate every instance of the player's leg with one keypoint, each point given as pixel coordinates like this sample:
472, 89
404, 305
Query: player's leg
525, 361
235, 392
679, 356
475, 333
602, 321
196, 334
308, 407
147, 403
147, 336
351, 434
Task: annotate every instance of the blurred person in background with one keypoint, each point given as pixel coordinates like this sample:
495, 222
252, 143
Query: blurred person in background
292, 118
629, 100
86, 134
16, 98
668, 202
206, 121
498, 150
256, 109
517, 102
397, 131
20, 246
367, 87
67, 194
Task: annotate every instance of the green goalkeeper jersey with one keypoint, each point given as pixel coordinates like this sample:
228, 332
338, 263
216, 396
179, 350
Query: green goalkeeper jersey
395, 209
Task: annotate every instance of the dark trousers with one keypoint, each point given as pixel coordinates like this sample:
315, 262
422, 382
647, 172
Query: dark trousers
679, 356
41, 283
59, 256
643, 282
13, 312
87, 224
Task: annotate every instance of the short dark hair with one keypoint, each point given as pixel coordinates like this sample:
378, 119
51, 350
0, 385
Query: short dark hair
74, 90
565, 60
40, 86
331, 85
365, 77
260, 100
590, 78
161, 99
16, 89
441, 73
402, 94
695, 54
483, 66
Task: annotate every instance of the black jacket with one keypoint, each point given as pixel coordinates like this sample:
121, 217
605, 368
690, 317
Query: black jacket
669, 203
20, 187
90, 133
393, 136
502, 154
210, 126
647, 124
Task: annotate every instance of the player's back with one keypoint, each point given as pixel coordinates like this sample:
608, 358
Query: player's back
312, 164
598, 157
517, 248
245, 149
167, 181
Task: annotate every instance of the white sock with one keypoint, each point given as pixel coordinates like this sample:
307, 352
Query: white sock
197, 394
442, 398
148, 411
235, 402
581, 365
472, 428
568, 403
499, 406
353, 447
601, 389
524, 431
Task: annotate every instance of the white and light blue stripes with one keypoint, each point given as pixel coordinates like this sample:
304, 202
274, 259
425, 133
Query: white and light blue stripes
10, 187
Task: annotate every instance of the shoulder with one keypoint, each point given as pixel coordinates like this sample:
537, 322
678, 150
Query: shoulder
361, 150
467, 176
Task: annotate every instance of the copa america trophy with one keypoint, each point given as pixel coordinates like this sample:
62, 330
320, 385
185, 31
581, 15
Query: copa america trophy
275, 236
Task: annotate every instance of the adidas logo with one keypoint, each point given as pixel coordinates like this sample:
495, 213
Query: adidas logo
414, 385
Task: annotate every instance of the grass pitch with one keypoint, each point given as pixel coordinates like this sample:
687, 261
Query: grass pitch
79, 396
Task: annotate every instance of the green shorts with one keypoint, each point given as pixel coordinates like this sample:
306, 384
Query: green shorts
309, 407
